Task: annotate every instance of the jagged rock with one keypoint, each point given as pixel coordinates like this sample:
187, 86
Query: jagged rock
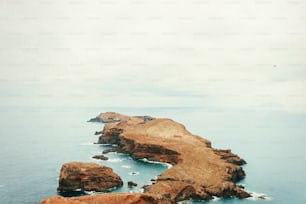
262, 197
110, 117
98, 132
101, 157
230, 157
87, 177
132, 184
109, 198
199, 171
109, 150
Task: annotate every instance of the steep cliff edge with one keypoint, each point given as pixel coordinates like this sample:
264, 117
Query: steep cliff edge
199, 171
87, 177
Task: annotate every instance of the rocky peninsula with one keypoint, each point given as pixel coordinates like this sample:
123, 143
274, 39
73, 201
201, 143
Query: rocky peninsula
199, 171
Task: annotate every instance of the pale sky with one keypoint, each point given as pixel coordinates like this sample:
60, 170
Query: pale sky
238, 54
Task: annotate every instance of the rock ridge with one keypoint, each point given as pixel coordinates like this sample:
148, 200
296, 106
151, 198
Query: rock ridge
198, 171
87, 177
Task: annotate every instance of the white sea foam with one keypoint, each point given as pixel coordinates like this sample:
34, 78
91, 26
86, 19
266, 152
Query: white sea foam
259, 196
103, 145
136, 191
114, 160
86, 143
134, 173
96, 192
112, 189
116, 153
156, 162
126, 166
215, 198
90, 192
185, 202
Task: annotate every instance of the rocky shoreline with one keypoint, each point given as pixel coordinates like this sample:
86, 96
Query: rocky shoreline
199, 172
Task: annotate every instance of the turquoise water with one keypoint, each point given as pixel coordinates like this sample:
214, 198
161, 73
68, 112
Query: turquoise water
35, 142
224, 67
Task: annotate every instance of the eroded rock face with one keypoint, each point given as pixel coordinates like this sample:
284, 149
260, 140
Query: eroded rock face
113, 117
199, 171
132, 184
87, 177
110, 198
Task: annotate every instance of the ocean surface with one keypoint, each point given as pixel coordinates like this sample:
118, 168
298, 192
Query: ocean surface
231, 71
36, 141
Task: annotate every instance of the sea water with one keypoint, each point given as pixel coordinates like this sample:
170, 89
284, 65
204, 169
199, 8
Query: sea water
36, 141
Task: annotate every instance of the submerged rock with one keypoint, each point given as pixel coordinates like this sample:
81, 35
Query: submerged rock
98, 132
101, 157
87, 177
131, 184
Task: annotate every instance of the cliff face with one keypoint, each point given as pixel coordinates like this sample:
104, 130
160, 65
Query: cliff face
199, 171
87, 177
110, 198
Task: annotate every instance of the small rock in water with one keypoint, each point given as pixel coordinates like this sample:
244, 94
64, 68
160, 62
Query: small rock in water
134, 173
132, 184
98, 132
262, 197
101, 157
109, 150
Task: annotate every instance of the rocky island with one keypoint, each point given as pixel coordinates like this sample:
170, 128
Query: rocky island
199, 171
87, 177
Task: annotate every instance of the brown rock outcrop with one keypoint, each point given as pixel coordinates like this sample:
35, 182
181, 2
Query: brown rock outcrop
101, 157
199, 171
110, 117
109, 198
132, 184
87, 177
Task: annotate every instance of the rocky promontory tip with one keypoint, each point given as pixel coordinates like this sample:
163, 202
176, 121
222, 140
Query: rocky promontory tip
113, 117
87, 177
198, 171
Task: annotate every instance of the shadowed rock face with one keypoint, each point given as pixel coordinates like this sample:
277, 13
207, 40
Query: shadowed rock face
110, 198
87, 177
199, 171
